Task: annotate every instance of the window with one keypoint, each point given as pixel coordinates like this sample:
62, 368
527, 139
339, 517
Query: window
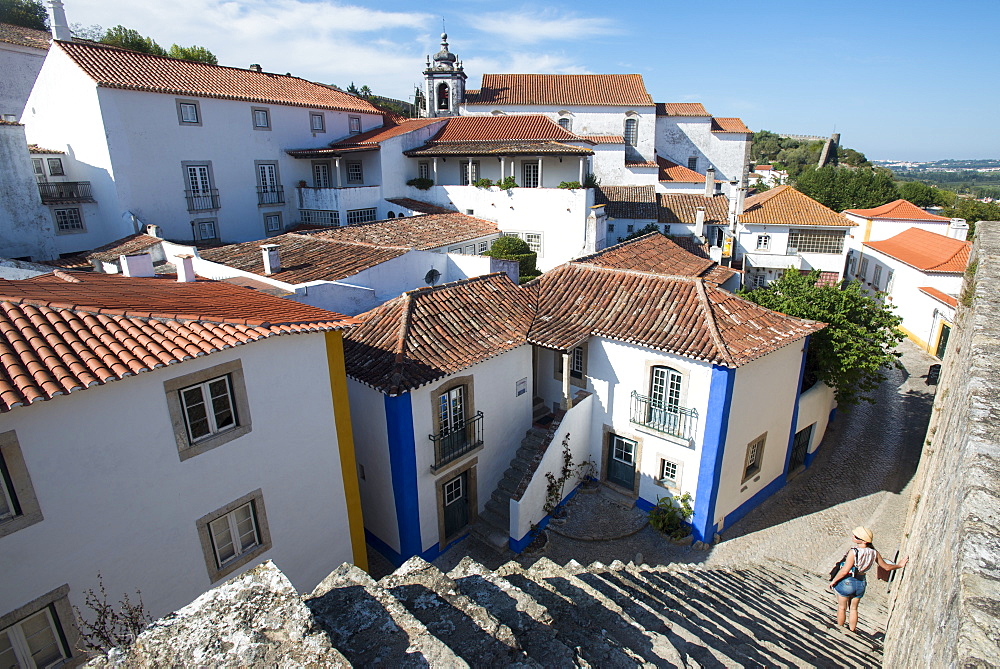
320, 217
355, 174
877, 276
863, 270
188, 112
316, 122
354, 124
755, 456
759, 279
815, 242
443, 95
566, 124
623, 450
34, 641
321, 175
205, 230
470, 250
234, 535
669, 473
763, 242
629, 228
360, 215
665, 389
18, 505
577, 367
423, 170
720, 236
37, 164
272, 223
483, 247
392, 215
611, 227
693, 163
529, 172
451, 410
269, 191
261, 118
200, 194
888, 281
631, 131
208, 408
69, 220
56, 167
534, 240
470, 172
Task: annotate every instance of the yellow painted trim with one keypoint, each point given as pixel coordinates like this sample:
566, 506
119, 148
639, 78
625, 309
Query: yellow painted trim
868, 230
915, 339
345, 442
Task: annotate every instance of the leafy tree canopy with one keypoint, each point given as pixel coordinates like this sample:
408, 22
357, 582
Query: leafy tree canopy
923, 195
26, 13
127, 38
841, 188
508, 247
859, 341
197, 54
973, 211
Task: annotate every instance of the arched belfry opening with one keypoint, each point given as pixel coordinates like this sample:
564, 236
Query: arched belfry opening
444, 83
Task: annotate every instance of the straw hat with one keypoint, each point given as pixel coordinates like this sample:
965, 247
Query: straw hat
864, 534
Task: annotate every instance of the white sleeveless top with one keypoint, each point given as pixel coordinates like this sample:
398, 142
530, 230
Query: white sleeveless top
864, 559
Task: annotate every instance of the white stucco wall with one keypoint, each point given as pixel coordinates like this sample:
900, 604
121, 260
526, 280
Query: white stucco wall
506, 418
117, 499
682, 137
746, 243
815, 406
20, 66
397, 169
371, 449
877, 229
26, 226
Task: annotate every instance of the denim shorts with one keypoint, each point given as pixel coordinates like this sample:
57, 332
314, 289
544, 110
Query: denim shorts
851, 587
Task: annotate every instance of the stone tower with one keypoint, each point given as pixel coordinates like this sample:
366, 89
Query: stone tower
444, 83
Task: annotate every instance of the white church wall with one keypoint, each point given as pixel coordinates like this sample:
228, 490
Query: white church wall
27, 229
20, 66
680, 138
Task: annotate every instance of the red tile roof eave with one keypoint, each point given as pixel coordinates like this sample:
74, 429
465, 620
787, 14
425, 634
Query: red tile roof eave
238, 98
936, 294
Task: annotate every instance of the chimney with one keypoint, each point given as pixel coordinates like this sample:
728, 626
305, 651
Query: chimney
958, 229
58, 22
272, 258
153, 230
710, 182
256, 67
699, 223
741, 196
140, 264
185, 268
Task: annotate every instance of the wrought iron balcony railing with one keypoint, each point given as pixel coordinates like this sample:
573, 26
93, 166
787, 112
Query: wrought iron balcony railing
453, 443
53, 192
676, 421
270, 194
202, 200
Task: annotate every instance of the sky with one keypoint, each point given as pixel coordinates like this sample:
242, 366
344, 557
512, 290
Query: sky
900, 80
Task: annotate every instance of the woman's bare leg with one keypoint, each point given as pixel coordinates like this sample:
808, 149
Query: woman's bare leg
854, 613
842, 603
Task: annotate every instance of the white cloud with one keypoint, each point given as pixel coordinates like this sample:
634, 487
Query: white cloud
519, 63
529, 26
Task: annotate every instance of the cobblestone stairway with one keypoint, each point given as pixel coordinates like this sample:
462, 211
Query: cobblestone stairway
545, 615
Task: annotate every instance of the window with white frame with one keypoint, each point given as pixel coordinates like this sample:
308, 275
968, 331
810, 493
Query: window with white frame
623, 450
361, 215
483, 247
268, 189
453, 491
631, 133
566, 123
424, 170
321, 175
206, 230
863, 269
534, 240
469, 172
801, 241
261, 118
317, 123
763, 242
200, 194
68, 220
55, 167
611, 227
34, 641
355, 174
208, 408
754, 456
577, 363
234, 535
272, 223
18, 504
693, 163
669, 473
759, 279
877, 276
888, 281
36, 163
529, 174
189, 112
354, 125
328, 217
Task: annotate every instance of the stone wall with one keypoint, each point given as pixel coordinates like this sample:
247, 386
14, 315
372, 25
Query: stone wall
945, 610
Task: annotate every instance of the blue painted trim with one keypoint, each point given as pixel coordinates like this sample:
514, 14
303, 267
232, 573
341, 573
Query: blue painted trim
644, 504
720, 402
795, 409
383, 548
403, 472
810, 457
518, 545
762, 494
833, 414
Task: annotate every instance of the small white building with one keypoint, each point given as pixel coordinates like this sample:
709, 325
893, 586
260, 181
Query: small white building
22, 52
27, 232
687, 135
920, 273
897, 216
165, 452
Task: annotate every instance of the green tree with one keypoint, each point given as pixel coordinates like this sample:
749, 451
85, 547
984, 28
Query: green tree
973, 211
841, 188
764, 147
25, 13
197, 54
852, 158
515, 248
127, 38
859, 342
924, 195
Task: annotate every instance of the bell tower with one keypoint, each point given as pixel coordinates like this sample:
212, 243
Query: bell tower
444, 83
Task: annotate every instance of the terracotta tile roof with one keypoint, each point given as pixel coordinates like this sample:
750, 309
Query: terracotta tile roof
489, 148
366, 141
680, 109
898, 209
3, 122
926, 251
950, 300
604, 139
111, 67
671, 171
428, 231
58, 336
680, 315
21, 36
720, 124
34, 148
691, 244
619, 90
763, 167
74, 262
428, 333
683, 207
640, 163
627, 201
488, 135
418, 205
657, 254
825, 278
304, 257
123, 247
783, 205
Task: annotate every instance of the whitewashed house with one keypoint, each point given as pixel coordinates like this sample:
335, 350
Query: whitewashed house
27, 232
690, 137
890, 219
22, 52
167, 435
920, 273
198, 149
668, 383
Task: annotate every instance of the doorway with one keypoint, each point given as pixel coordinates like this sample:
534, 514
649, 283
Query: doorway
943, 341
800, 446
456, 504
621, 461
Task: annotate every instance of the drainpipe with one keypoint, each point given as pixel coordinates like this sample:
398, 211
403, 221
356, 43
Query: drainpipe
567, 401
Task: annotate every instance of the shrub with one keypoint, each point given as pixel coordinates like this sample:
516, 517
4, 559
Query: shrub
570, 185
515, 248
670, 515
591, 180
506, 183
483, 183
420, 183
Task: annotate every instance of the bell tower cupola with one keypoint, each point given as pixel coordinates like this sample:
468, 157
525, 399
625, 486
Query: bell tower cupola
444, 83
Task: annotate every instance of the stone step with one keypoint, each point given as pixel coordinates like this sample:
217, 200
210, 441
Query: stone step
471, 631
491, 516
501, 498
369, 627
529, 620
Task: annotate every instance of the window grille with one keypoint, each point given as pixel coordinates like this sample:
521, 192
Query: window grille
815, 242
361, 215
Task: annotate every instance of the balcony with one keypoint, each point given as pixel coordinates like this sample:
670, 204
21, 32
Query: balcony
675, 421
202, 200
65, 191
270, 195
450, 445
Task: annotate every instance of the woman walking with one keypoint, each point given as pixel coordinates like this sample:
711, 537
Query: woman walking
849, 583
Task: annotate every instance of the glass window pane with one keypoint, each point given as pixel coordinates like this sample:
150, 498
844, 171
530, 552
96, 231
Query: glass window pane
41, 639
195, 411
7, 657
223, 539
